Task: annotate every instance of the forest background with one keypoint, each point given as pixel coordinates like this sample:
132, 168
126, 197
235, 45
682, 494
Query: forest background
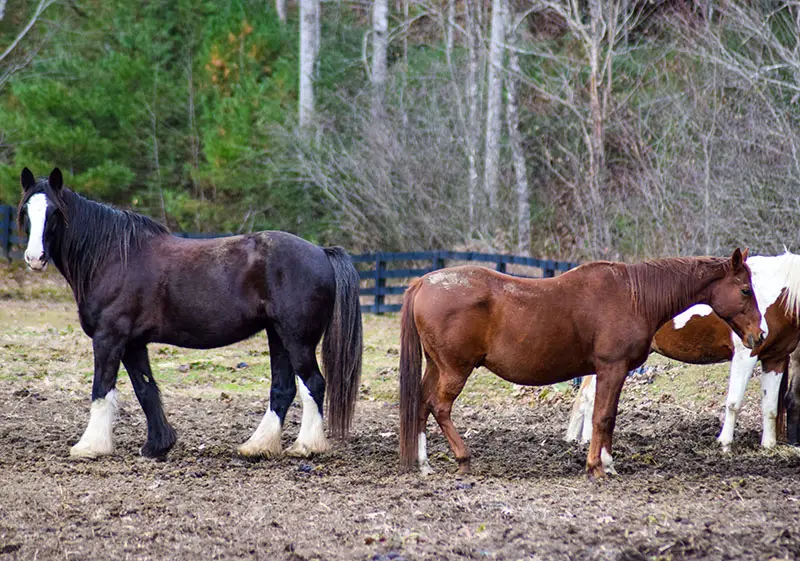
573, 129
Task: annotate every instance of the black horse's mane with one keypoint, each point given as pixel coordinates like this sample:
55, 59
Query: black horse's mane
92, 233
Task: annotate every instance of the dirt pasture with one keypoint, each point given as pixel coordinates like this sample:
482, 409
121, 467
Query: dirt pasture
677, 495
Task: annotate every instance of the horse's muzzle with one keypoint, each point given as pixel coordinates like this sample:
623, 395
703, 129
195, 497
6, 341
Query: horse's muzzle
752, 342
36, 263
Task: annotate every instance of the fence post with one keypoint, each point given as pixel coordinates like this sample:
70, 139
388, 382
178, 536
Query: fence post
501, 267
438, 262
380, 283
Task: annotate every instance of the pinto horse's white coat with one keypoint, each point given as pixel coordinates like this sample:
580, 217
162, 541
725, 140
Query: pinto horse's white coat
97, 439
37, 213
770, 275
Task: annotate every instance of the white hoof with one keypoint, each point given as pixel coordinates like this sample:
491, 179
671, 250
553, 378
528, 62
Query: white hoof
258, 450
85, 450
425, 469
303, 450
266, 440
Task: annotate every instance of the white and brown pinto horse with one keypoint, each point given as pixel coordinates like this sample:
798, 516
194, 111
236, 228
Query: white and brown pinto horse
599, 317
699, 336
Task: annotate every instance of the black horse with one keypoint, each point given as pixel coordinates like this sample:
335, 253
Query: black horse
135, 283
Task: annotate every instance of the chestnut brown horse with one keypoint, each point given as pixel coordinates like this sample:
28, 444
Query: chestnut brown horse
599, 317
698, 336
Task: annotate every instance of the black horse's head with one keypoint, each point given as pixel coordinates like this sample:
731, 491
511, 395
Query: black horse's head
40, 211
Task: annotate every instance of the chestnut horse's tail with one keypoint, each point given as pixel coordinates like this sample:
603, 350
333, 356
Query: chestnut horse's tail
343, 345
410, 381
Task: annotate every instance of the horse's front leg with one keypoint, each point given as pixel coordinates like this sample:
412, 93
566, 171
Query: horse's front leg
772, 372
742, 366
793, 399
610, 378
161, 436
97, 439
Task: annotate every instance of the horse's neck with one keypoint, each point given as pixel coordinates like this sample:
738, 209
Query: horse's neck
672, 289
771, 275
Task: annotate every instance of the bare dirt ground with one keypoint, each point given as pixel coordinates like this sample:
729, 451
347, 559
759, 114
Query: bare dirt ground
677, 495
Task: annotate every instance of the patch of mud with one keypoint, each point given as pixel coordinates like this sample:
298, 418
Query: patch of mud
677, 497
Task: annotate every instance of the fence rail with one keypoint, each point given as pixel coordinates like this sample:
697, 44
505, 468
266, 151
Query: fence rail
373, 268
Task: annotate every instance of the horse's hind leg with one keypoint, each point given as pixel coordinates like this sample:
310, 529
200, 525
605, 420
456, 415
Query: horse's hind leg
97, 439
439, 399
311, 439
580, 421
266, 440
161, 436
430, 380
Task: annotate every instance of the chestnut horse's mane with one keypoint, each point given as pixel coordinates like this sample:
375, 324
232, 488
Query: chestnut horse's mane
662, 288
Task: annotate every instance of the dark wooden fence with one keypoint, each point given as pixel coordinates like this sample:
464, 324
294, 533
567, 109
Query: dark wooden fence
386, 274
375, 268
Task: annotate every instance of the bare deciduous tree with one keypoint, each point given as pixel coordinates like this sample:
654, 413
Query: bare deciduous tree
494, 104
309, 22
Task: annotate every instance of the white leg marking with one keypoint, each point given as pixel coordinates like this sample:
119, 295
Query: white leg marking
311, 439
37, 212
97, 439
422, 455
607, 461
588, 410
742, 366
266, 440
575, 425
770, 388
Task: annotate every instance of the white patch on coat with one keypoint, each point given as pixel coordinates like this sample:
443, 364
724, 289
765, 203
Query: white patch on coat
266, 440
698, 310
449, 279
97, 439
422, 455
311, 439
607, 461
37, 213
770, 387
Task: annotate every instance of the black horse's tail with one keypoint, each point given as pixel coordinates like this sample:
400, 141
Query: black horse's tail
343, 345
410, 381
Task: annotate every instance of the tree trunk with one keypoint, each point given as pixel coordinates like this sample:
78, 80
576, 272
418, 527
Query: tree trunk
380, 36
280, 7
473, 101
494, 105
515, 139
308, 55
450, 26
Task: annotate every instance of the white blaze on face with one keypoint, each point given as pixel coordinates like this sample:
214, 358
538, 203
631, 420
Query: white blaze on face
97, 439
698, 310
311, 439
37, 212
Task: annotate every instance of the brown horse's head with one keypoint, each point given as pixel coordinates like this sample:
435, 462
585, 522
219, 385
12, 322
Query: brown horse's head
733, 300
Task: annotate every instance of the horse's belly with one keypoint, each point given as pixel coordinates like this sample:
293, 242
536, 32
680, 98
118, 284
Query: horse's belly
538, 371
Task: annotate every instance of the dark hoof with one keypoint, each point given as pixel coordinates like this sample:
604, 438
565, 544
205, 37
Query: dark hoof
158, 449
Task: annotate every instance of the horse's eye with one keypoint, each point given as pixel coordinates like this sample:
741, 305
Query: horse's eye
747, 292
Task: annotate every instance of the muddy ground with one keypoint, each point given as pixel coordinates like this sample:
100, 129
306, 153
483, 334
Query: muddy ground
677, 495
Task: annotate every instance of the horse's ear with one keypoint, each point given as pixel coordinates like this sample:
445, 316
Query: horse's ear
56, 180
737, 259
27, 179
745, 254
